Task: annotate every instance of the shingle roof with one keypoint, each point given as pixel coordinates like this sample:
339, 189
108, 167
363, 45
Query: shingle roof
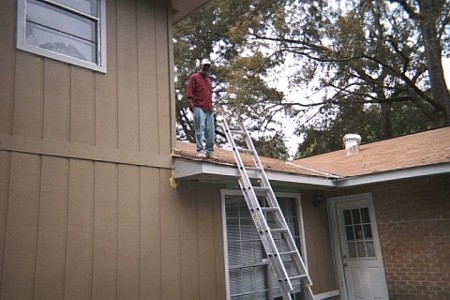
426, 148
225, 157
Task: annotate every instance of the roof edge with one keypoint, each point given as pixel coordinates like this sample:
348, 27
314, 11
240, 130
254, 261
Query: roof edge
393, 175
186, 169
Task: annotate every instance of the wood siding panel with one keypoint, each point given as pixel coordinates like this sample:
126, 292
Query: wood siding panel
170, 240
189, 231
50, 259
5, 162
166, 135
128, 106
28, 100
318, 245
207, 251
78, 273
63, 107
150, 234
106, 87
82, 106
105, 232
148, 77
21, 232
57, 101
219, 248
7, 59
128, 264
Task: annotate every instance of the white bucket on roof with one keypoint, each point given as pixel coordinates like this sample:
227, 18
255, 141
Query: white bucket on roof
351, 142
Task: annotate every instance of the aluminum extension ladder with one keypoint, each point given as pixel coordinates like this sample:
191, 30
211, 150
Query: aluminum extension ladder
282, 253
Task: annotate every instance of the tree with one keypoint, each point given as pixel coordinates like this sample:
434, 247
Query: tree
240, 89
379, 52
381, 57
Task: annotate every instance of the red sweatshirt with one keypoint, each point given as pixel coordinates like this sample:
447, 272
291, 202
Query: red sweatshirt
200, 91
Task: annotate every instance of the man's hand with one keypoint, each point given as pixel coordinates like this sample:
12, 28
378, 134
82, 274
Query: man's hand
191, 104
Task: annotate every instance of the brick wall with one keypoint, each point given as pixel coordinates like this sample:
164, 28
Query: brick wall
414, 225
413, 219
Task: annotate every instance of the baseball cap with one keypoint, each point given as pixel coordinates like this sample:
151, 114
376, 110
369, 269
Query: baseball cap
205, 62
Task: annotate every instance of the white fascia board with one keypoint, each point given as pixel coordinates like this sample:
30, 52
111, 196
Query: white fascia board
189, 169
200, 170
393, 175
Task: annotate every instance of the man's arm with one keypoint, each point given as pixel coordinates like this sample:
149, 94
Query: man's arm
190, 93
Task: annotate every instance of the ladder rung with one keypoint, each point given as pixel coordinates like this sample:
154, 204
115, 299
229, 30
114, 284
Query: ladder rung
261, 188
288, 252
269, 209
245, 150
278, 230
298, 277
254, 169
237, 132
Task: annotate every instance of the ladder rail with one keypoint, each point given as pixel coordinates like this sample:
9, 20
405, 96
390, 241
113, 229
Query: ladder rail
255, 211
273, 201
258, 215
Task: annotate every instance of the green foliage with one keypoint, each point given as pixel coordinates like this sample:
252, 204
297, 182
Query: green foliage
241, 91
368, 64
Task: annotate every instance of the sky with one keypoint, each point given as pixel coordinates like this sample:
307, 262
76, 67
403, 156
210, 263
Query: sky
292, 139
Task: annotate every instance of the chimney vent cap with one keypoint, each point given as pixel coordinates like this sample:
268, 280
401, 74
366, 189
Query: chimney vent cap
352, 142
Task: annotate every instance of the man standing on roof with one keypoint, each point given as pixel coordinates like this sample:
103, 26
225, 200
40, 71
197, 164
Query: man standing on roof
199, 94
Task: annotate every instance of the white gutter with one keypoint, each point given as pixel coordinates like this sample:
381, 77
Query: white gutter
393, 175
186, 169
200, 170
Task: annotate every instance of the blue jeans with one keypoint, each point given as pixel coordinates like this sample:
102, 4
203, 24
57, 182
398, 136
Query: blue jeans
204, 129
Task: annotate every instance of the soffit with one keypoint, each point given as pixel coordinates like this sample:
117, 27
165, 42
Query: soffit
182, 8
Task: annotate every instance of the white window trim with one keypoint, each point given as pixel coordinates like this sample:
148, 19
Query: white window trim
22, 45
233, 192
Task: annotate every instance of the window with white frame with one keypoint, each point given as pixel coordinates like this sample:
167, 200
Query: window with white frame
72, 31
248, 273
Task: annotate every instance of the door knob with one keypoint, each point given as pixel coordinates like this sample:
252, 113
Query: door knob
345, 261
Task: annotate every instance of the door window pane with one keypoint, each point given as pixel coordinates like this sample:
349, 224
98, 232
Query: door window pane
358, 229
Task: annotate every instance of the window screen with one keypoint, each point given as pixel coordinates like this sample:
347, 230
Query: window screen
250, 276
69, 31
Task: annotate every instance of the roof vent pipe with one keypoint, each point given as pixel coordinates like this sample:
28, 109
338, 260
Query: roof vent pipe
351, 142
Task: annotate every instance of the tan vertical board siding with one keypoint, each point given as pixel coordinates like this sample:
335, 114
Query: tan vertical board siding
128, 264
164, 78
127, 62
148, 76
57, 101
170, 239
207, 251
150, 234
219, 248
7, 60
5, 160
318, 245
50, 258
21, 231
189, 235
82, 106
28, 99
79, 246
106, 86
104, 273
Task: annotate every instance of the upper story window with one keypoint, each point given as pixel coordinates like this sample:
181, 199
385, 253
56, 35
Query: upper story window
72, 31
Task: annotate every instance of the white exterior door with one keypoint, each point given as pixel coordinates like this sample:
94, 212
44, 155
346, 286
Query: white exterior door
359, 254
